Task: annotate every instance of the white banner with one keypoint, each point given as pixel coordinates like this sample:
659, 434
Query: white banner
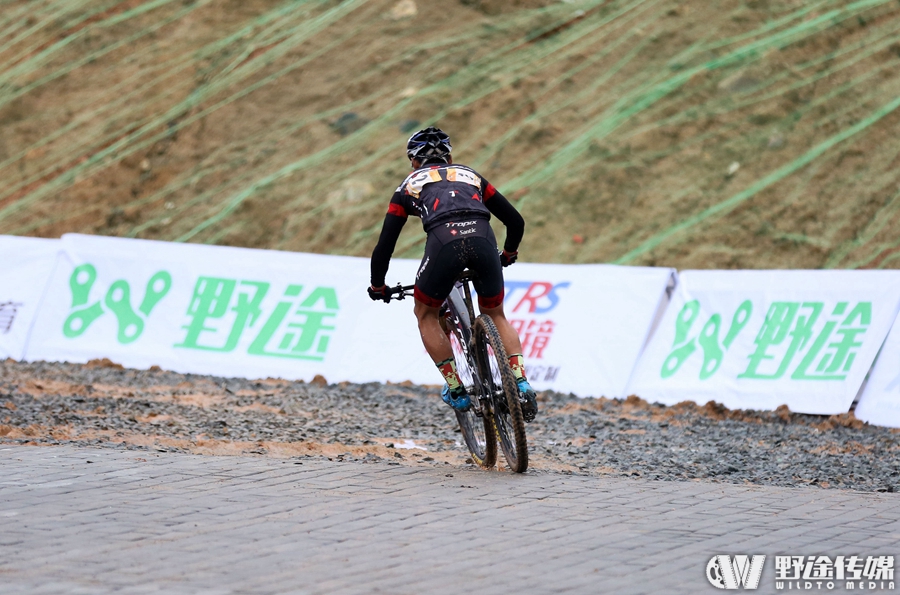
760, 339
25, 267
583, 327
258, 313
200, 309
879, 403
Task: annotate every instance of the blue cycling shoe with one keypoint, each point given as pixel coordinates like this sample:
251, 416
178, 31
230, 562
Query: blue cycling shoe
458, 399
528, 399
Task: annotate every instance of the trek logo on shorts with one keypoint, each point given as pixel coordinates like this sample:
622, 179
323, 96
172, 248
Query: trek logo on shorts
422, 268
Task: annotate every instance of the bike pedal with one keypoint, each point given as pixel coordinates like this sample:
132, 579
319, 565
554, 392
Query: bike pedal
528, 414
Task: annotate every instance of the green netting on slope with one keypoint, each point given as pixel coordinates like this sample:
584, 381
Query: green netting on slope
596, 69
145, 134
629, 106
135, 141
723, 207
479, 70
127, 106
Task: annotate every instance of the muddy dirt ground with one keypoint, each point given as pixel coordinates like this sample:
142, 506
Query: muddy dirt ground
102, 404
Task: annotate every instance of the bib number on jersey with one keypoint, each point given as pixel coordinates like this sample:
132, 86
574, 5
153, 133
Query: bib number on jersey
454, 174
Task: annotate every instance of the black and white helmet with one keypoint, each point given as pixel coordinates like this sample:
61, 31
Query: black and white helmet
428, 145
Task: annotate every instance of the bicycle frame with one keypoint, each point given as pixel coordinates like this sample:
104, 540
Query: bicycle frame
462, 303
493, 392
459, 306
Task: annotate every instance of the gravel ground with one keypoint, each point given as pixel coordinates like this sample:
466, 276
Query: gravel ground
101, 404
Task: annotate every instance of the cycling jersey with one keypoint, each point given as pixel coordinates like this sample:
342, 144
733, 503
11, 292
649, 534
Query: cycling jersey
441, 194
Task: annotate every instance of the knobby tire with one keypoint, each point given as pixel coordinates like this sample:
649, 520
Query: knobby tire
498, 379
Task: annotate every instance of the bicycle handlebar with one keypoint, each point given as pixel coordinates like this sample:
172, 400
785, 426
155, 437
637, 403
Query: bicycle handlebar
398, 292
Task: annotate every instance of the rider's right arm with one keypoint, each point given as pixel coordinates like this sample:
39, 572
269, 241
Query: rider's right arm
390, 231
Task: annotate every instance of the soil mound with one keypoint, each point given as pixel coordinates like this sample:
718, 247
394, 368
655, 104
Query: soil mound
733, 134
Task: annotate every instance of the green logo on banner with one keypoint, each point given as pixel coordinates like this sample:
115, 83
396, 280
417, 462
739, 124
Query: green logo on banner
825, 359
117, 301
713, 349
299, 326
828, 355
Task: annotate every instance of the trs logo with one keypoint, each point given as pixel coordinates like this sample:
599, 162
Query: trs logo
533, 297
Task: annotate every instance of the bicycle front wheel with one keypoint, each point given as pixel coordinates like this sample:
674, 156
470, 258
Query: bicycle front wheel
498, 381
478, 431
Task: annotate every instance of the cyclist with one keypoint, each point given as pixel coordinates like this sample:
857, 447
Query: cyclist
455, 204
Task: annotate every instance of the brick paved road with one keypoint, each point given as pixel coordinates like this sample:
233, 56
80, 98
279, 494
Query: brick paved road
100, 521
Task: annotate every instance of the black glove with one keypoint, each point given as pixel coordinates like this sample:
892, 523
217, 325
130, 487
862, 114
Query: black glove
507, 258
379, 293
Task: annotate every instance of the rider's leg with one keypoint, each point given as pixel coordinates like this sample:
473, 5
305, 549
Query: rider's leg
436, 343
434, 280
485, 261
438, 347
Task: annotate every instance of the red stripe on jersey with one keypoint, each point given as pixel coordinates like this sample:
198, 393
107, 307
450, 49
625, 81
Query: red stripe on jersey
395, 209
489, 191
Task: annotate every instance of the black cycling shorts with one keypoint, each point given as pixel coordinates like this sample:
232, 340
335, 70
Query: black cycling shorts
453, 247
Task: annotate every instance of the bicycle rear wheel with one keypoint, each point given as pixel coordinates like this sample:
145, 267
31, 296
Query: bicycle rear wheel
478, 432
498, 381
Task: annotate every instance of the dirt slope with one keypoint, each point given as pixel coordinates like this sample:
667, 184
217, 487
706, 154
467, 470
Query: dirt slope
752, 134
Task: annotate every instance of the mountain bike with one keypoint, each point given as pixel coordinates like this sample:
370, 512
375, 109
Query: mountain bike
496, 412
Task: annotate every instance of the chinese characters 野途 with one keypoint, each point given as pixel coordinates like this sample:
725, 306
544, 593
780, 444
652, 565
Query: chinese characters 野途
299, 326
828, 356
875, 569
